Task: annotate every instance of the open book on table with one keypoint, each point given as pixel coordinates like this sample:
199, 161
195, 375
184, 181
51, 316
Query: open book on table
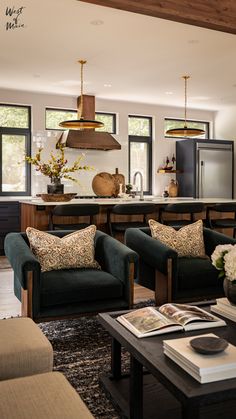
150, 321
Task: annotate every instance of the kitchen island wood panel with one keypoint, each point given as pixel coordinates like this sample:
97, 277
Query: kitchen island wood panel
37, 216
36, 213
34, 216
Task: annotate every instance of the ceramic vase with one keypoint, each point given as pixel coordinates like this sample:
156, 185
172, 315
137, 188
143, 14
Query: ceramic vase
56, 187
230, 290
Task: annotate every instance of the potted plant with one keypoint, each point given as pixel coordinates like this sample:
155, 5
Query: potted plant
56, 168
224, 259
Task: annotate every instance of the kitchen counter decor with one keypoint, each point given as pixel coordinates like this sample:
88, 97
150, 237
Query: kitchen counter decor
103, 184
56, 168
57, 197
106, 184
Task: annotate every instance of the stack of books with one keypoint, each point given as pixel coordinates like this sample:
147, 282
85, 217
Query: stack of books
204, 368
225, 308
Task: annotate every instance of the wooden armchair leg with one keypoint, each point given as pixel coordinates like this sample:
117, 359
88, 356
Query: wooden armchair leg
131, 284
26, 298
163, 285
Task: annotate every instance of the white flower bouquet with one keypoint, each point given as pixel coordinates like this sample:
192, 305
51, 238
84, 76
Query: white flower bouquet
224, 259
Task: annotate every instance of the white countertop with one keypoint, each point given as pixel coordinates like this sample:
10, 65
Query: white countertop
113, 201
14, 198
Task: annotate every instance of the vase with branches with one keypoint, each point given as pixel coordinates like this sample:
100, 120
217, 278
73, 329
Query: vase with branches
57, 168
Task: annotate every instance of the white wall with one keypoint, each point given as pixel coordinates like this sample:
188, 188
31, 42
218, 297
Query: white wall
105, 160
225, 123
225, 129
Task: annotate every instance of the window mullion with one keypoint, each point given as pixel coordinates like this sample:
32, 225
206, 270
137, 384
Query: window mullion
20, 184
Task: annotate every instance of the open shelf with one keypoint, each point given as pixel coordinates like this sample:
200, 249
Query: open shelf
168, 171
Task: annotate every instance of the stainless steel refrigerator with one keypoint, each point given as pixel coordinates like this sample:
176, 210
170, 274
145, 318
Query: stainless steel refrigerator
206, 168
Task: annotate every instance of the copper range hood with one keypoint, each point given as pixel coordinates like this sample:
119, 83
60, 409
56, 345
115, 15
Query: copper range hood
88, 139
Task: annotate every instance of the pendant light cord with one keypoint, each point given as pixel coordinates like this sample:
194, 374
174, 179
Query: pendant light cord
185, 99
80, 113
185, 132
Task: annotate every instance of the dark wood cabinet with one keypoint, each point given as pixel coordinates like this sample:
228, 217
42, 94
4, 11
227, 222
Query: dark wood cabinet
9, 220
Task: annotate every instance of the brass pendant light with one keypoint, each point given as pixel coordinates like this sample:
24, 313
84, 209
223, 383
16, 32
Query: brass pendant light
185, 131
81, 123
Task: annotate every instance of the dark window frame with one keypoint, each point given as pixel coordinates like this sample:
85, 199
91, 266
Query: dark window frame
207, 123
150, 124
114, 122
114, 117
57, 110
18, 131
143, 139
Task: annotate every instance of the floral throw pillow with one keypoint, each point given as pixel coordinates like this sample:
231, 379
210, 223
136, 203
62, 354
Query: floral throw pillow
75, 250
187, 241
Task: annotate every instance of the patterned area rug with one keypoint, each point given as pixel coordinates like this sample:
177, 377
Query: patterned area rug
82, 351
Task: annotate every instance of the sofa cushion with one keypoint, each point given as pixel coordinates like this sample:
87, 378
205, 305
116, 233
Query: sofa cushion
78, 285
75, 250
187, 241
41, 396
197, 274
24, 349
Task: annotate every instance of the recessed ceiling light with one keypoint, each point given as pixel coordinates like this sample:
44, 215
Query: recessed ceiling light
107, 85
96, 22
169, 93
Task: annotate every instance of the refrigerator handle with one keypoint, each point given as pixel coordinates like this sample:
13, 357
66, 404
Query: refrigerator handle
201, 179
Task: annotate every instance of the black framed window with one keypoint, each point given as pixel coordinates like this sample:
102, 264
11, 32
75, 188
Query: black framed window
54, 116
15, 143
171, 123
140, 150
109, 121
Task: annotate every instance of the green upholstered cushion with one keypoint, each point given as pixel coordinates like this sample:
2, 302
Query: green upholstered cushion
84, 307
78, 285
197, 273
119, 226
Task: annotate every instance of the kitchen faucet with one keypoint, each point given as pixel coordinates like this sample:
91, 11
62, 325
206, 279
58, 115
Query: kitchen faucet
141, 183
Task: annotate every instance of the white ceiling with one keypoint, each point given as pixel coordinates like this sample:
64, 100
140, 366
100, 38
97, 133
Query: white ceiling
141, 57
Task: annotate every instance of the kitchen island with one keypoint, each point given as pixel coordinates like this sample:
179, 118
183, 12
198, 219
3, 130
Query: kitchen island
35, 212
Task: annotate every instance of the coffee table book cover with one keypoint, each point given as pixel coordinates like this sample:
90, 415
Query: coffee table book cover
225, 309
204, 368
150, 321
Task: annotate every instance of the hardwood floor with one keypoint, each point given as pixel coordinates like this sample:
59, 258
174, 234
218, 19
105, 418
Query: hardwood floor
10, 305
142, 294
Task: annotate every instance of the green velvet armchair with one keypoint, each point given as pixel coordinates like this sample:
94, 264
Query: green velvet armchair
176, 278
72, 292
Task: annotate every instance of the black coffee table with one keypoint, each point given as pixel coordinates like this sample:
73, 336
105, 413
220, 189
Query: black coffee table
156, 387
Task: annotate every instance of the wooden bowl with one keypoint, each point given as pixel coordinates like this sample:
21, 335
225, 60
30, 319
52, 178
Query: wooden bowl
57, 197
208, 345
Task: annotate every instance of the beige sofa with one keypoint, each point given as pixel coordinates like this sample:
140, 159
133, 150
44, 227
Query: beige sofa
28, 387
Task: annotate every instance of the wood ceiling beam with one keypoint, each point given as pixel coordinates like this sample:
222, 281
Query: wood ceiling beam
219, 15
